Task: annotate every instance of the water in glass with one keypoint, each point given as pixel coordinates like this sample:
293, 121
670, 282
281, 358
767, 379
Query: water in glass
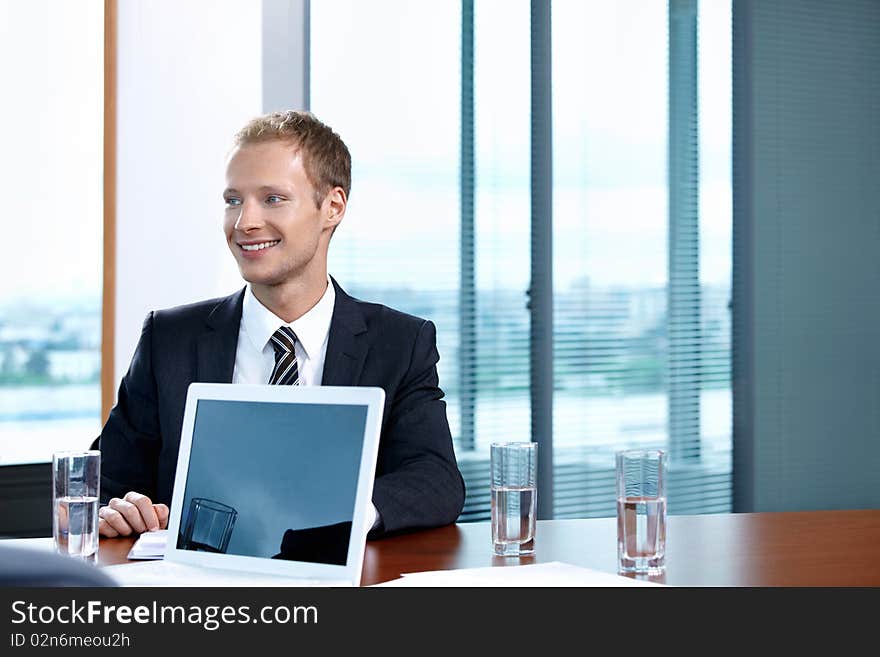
76, 526
513, 520
641, 534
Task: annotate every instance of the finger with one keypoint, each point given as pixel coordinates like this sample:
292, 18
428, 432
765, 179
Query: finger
162, 513
131, 514
104, 529
145, 506
115, 520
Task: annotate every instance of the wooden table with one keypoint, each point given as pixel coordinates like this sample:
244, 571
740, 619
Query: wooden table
808, 548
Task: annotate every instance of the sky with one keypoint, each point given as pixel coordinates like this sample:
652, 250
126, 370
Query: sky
610, 133
51, 55
386, 76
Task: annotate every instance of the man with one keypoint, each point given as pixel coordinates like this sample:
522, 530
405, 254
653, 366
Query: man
288, 179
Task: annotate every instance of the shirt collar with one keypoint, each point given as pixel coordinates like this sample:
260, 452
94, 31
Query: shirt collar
311, 329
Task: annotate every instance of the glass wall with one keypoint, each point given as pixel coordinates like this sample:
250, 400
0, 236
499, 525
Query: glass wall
51, 72
434, 101
642, 243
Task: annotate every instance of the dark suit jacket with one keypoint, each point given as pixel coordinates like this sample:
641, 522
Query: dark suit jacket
418, 483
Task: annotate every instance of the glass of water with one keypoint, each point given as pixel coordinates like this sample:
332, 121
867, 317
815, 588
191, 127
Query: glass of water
514, 497
641, 511
76, 481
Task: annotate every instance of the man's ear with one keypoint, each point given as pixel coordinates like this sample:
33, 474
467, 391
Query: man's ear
335, 203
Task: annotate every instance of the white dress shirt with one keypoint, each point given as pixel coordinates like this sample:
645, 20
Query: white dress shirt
255, 356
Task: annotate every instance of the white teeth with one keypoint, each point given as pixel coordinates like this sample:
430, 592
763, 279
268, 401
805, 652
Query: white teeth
257, 247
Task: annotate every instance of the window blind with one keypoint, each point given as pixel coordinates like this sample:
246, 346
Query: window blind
642, 328
440, 224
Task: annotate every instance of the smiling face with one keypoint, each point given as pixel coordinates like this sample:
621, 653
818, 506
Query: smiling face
273, 227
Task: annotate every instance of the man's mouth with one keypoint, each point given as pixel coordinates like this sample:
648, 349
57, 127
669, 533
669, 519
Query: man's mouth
259, 246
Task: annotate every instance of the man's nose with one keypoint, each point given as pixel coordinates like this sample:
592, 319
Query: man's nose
249, 218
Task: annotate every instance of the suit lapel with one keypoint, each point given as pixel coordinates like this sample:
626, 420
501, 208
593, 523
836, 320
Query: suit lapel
217, 345
346, 346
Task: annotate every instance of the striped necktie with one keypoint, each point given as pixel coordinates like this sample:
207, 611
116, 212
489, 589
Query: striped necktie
285, 372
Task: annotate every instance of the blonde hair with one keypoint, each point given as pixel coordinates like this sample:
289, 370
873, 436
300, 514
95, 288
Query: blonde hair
325, 156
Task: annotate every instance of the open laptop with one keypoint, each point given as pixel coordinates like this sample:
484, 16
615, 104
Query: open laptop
273, 488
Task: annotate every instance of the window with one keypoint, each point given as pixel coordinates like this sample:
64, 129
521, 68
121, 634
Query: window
395, 102
51, 70
434, 103
642, 242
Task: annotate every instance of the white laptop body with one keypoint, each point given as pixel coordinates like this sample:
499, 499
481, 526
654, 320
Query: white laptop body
278, 472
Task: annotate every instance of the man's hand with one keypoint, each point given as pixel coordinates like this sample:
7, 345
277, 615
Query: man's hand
133, 514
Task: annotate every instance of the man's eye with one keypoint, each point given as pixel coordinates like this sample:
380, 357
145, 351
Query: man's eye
273, 198
232, 202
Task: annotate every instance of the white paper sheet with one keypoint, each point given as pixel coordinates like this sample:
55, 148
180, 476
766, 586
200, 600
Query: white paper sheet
167, 573
150, 545
554, 573
45, 544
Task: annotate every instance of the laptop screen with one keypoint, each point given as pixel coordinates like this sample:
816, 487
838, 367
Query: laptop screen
272, 480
